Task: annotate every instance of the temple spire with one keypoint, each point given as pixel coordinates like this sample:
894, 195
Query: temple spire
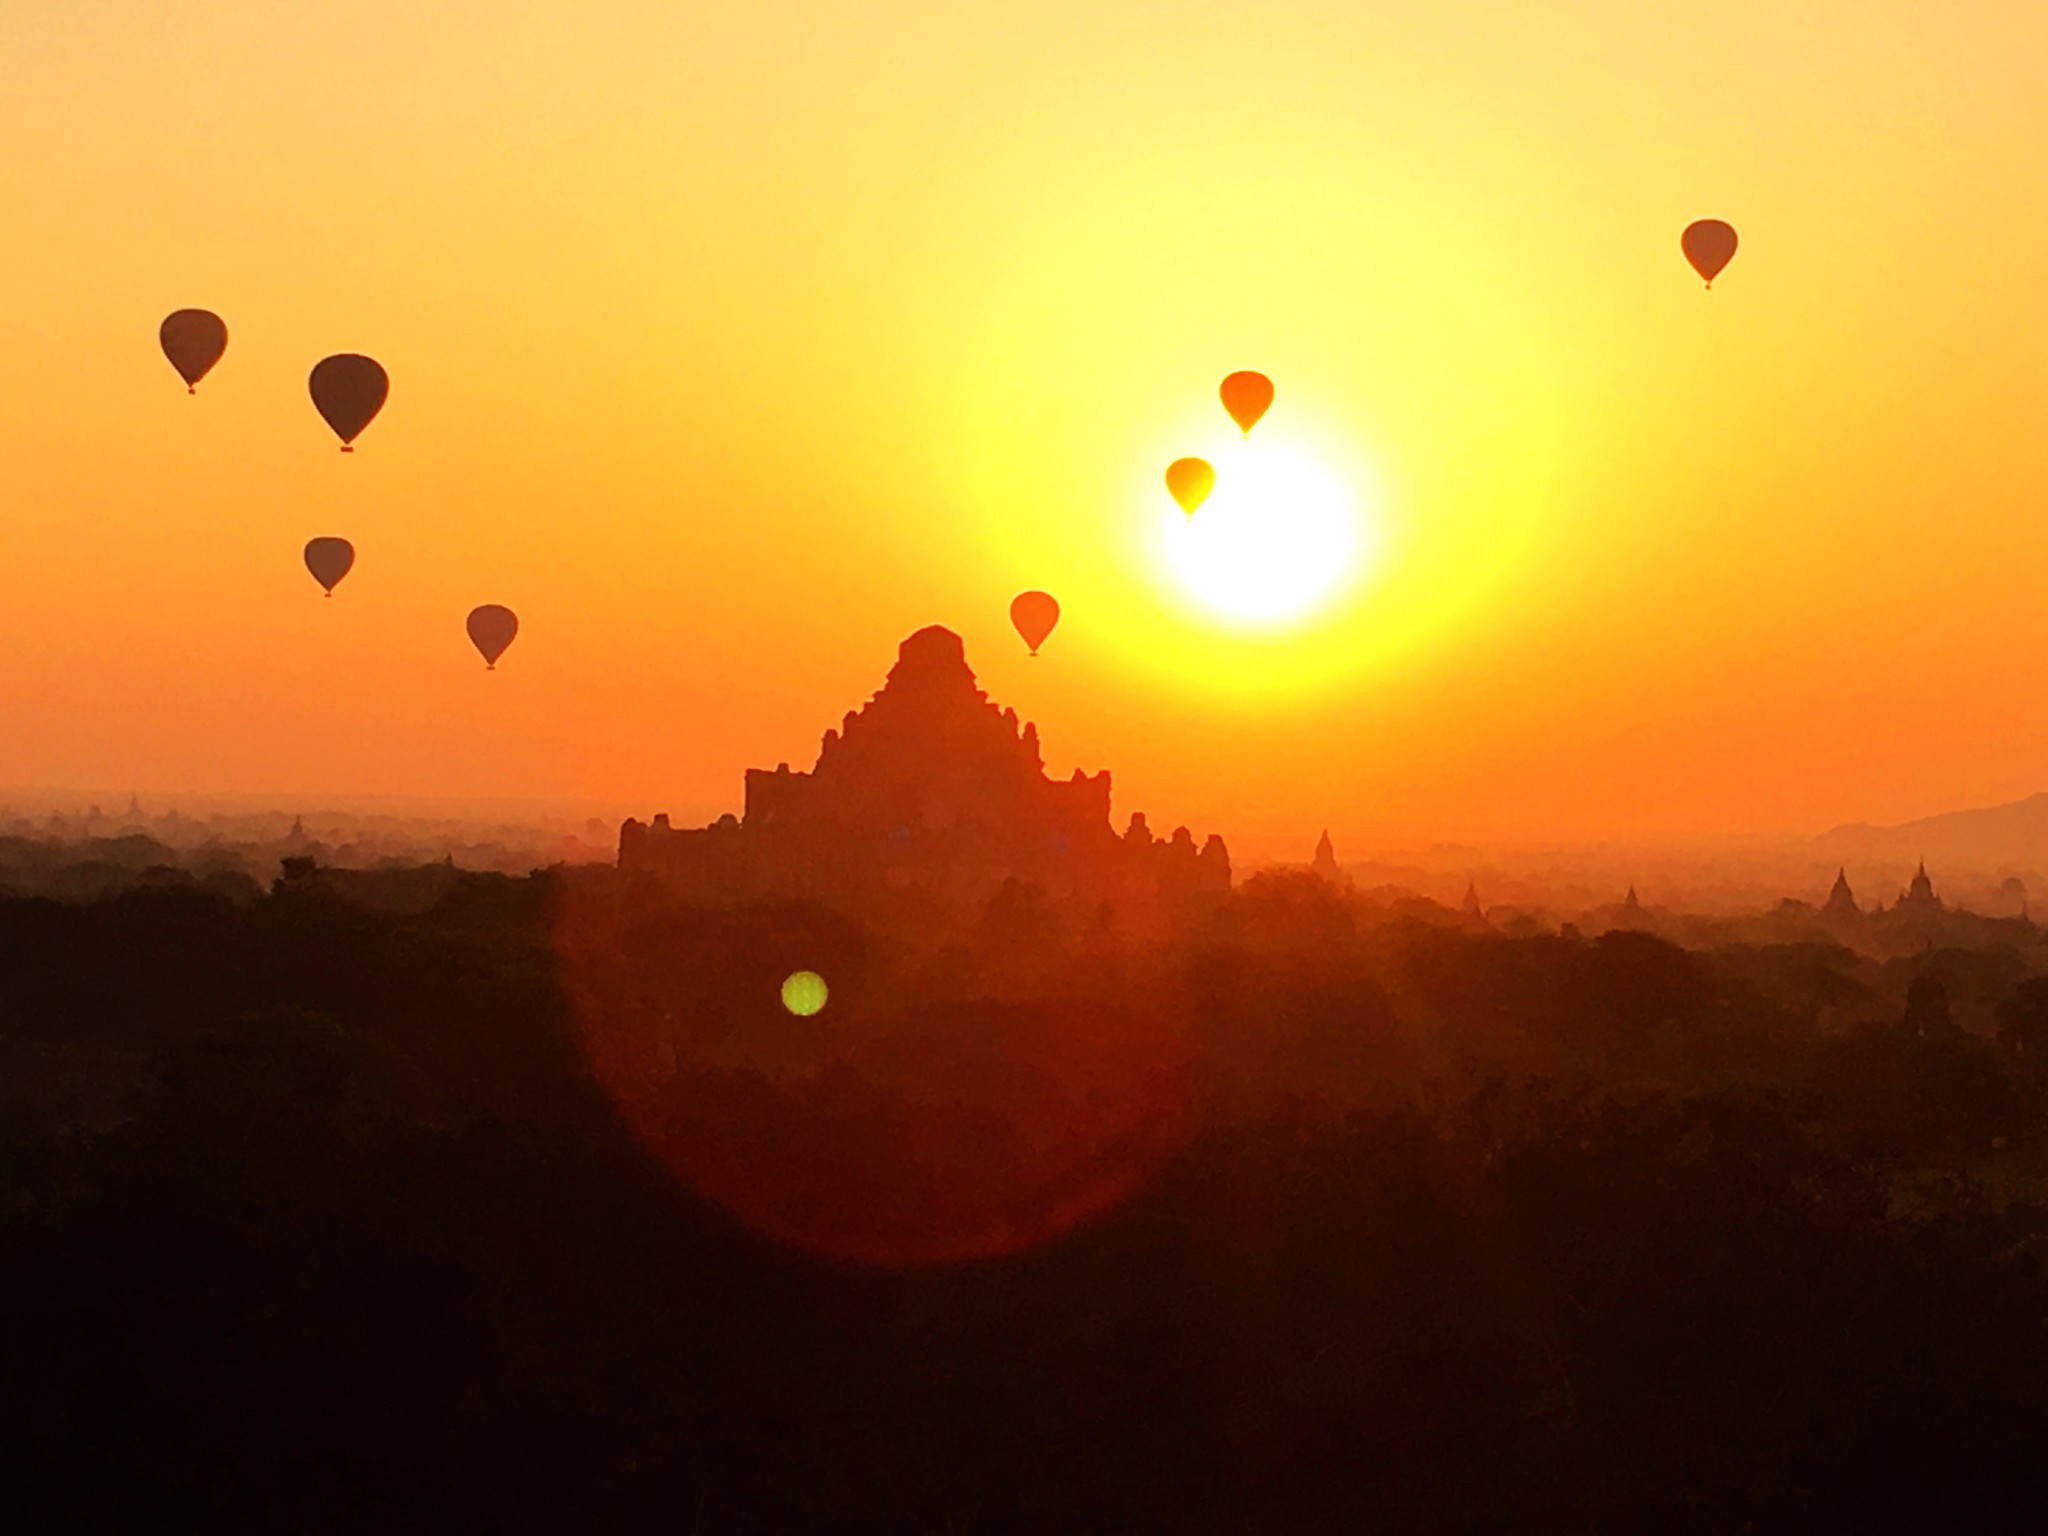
1920, 895
1325, 863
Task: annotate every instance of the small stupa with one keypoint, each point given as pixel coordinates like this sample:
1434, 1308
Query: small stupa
1325, 863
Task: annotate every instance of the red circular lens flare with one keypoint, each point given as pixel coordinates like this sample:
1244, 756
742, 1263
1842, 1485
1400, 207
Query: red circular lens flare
908, 1134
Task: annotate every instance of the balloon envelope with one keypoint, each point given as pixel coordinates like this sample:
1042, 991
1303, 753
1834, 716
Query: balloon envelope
1190, 480
348, 391
491, 629
1034, 614
1246, 396
1709, 245
193, 339
329, 560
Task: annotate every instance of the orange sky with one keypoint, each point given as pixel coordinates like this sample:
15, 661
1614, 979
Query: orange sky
730, 342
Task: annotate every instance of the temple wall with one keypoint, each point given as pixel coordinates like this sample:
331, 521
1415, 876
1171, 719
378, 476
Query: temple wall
775, 796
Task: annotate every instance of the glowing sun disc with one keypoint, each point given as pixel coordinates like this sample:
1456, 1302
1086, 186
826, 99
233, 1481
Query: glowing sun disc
1276, 539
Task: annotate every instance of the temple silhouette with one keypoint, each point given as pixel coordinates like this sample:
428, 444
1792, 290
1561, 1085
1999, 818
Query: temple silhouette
927, 793
1919, 898
1841, 903
1325, 864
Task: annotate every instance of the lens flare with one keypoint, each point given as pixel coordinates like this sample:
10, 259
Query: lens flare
916, 1131
803, 993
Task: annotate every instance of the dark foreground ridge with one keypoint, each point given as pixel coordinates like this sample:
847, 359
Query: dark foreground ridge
929, 793
1303, 1216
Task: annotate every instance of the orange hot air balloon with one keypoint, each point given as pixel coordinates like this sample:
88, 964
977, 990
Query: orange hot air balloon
1247, 396
1191, 481
193, 339
329, 560
1034, 614
349, 391
491, 629
1709, 245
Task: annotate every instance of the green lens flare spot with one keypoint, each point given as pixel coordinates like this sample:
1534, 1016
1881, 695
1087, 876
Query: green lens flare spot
803, 994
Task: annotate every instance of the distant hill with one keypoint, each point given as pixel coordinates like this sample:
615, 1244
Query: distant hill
1996, 837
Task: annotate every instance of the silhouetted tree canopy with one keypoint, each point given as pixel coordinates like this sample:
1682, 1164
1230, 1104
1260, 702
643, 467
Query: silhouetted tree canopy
435, 1200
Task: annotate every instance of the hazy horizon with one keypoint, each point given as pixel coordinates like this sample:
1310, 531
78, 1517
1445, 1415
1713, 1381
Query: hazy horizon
1267, 844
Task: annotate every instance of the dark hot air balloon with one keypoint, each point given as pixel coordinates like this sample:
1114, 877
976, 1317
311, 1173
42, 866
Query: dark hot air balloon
1709, 245
1246, 396
1034, 614
1190, 480
329, 560
349, 391
193, 339
491, 629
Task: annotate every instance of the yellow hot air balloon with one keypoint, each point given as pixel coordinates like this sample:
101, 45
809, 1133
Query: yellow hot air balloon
349, 391
491, 629
1034, 614
193, 339
329, 560
1709, 245
1246, 396
1191, 481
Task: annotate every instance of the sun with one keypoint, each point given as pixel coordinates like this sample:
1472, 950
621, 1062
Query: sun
1276, 539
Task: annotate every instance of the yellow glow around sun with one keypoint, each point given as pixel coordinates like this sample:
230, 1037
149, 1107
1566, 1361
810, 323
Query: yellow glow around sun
1277, 538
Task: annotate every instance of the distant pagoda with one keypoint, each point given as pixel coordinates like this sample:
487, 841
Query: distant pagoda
1325, 864
1919, 900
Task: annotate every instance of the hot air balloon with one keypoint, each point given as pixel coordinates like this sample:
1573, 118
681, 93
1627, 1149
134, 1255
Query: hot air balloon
349, 391
1190, 480
329, 560
1034, 614
1709, 245
193, 339
491, 629
1247, 397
